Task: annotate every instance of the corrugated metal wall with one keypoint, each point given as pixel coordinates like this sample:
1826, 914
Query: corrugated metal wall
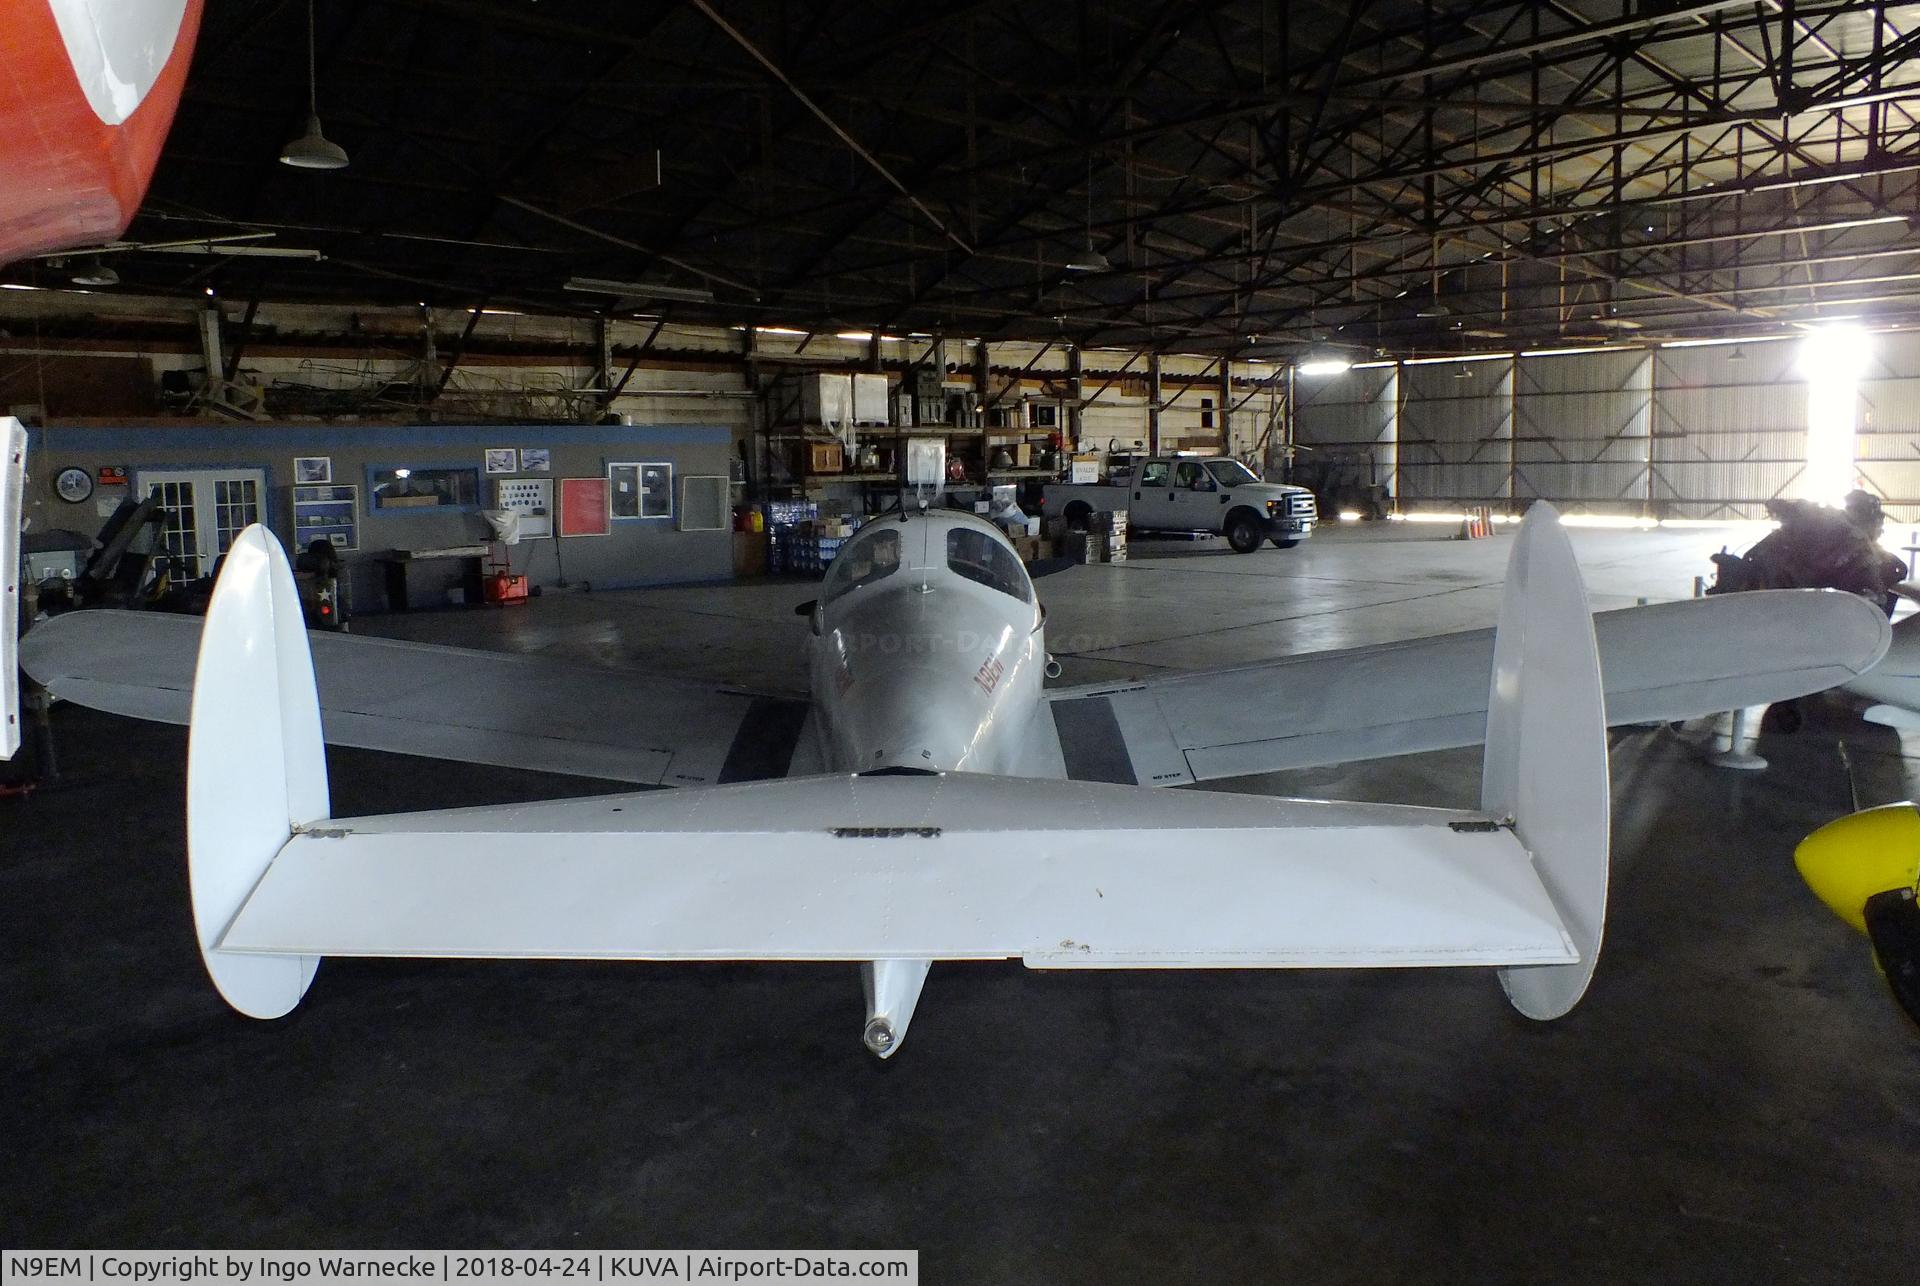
1456, 433
1888, 447
1581, 430
1729, 429
1705, 431
1349, 421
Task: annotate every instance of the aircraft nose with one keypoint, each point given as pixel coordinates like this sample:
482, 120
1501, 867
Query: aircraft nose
1851, 860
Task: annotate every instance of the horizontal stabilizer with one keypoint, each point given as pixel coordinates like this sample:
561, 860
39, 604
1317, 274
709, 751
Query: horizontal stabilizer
960, 867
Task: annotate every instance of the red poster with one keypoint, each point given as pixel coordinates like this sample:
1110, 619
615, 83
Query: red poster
583, 507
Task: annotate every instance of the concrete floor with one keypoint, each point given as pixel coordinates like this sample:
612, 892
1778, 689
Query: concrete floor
1735, 1100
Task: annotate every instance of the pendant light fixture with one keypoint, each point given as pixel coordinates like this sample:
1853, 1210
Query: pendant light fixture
1088, 260
313, 150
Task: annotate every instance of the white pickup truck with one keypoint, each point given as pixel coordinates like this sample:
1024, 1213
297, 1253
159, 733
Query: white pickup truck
1188, 493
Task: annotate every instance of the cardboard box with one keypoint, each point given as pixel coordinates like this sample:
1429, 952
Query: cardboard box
1023, 455
1085, 468
749, 553
870, 399
825, 457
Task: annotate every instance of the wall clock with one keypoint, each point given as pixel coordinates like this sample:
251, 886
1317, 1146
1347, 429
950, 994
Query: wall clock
73, 485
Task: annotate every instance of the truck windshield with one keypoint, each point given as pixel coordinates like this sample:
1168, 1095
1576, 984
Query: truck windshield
1230, 473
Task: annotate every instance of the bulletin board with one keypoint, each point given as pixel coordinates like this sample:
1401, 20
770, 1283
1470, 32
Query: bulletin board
583, 507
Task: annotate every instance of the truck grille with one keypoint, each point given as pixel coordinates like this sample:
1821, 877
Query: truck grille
1300, 505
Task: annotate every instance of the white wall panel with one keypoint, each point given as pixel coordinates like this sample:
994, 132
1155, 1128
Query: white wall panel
1456, 434
1581, 430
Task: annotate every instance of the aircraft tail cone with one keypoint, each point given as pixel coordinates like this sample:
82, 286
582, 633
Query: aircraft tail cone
893, 989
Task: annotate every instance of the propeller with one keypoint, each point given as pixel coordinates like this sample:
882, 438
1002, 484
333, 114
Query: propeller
1893, 926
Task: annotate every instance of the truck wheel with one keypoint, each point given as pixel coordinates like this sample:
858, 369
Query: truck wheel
1243, 532
1282, 544
1077, 514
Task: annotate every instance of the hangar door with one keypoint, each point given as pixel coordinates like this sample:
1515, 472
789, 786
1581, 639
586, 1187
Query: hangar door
1581, 427
1456, 433
1887, 447
1347, 424
206, 509
1729, 429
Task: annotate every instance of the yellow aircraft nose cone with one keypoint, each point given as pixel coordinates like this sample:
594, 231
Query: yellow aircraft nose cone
1848, 861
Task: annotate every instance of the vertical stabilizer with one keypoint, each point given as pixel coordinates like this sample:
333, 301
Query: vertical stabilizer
1546, 759
256, 764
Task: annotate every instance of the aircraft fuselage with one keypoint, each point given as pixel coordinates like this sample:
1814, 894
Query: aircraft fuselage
928, 650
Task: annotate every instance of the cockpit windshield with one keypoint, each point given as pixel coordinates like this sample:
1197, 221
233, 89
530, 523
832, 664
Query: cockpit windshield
1230, 473
977, 556
873, 555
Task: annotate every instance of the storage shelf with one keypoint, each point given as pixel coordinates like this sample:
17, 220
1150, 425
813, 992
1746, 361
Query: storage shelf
820, 433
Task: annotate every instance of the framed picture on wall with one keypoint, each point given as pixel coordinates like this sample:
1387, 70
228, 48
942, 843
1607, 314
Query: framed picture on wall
536, 460
312, 470
503, 460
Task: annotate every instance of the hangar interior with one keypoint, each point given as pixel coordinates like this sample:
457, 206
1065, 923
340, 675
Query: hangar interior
679, 285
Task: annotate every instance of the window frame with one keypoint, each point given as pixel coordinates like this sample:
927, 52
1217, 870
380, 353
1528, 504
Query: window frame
1000, 549
640, 492
377, 510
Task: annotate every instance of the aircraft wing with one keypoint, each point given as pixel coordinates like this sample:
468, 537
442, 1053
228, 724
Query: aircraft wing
1668, 661
449, 703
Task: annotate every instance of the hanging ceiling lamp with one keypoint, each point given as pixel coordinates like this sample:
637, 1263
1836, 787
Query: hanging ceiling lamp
313, 150
1088, 260
95, 273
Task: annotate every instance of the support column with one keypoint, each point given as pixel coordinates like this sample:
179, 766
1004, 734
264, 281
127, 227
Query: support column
1153, 403
1077, 388
1226, 405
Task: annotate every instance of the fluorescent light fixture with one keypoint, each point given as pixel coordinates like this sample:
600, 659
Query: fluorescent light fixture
1717, 343
778, 330
228, 248
858, 336
14, 285
1373, 366
1325, 364
1349, 515
1088, 260
403, 473
1573, 352
1464, 357
640, 289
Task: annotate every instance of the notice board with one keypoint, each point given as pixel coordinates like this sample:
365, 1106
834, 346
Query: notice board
583, 507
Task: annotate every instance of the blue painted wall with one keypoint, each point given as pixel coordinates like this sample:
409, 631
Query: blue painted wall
635, 553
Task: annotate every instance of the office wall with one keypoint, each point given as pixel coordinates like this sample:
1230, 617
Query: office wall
636, 552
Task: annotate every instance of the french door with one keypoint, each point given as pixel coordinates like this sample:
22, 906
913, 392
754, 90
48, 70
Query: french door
206, 509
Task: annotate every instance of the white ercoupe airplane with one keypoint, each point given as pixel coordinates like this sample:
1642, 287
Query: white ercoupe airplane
939, 802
